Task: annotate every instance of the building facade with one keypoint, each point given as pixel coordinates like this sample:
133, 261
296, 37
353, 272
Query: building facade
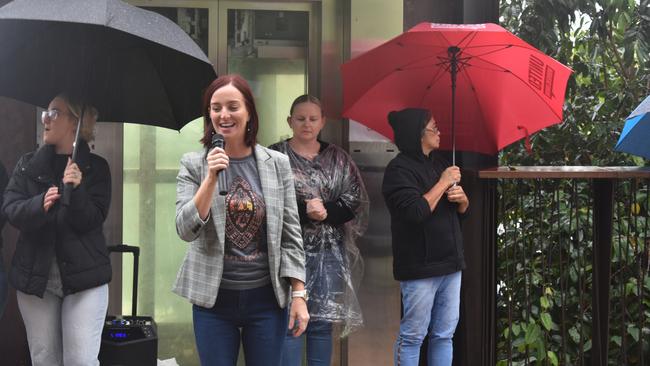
285, 49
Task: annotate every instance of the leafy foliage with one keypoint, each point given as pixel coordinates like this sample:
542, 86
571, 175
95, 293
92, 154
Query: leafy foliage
545, 232
605, 42
544, 302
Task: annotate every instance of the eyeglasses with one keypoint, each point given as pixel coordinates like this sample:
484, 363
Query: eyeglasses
434, 130
51, 114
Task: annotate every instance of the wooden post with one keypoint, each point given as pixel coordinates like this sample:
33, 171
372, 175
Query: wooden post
603, 192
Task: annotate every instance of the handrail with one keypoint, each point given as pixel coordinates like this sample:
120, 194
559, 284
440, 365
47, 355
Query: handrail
559, 172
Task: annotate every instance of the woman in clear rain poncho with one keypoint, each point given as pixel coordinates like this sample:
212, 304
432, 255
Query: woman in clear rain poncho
333, 207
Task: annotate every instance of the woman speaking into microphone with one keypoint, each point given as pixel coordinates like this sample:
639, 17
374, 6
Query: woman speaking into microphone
245, 258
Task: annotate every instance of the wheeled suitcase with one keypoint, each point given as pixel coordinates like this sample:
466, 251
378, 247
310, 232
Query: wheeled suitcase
129, 340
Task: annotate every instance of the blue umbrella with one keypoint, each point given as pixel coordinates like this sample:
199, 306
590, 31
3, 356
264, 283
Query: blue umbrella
635, 138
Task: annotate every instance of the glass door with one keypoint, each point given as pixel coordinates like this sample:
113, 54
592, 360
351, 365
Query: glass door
274, 47
151, 162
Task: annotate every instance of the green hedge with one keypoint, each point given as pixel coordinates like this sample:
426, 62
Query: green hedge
545, 228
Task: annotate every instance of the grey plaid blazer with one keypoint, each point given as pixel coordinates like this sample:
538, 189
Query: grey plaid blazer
200, 274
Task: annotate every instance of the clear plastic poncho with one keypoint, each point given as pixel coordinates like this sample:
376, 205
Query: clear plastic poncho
334, 264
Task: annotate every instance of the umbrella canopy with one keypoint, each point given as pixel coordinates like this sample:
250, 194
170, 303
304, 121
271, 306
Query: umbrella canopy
505, 89
636, 132
132, 64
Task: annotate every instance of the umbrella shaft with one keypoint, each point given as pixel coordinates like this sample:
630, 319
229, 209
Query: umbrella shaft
76, 136
67, 189
453, 53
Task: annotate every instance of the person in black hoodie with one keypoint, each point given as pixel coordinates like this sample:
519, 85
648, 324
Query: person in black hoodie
61, 266
425, 202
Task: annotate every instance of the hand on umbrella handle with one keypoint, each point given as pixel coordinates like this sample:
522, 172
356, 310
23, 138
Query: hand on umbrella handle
71, 179
456, 194
451, 176
72, 174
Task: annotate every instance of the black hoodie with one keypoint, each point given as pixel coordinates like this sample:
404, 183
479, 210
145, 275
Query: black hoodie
425, 243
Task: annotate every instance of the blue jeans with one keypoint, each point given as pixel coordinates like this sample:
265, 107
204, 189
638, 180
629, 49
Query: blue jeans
251, 317
319, 346
431, 305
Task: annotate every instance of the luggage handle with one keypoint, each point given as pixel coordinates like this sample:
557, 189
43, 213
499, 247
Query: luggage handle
122, 248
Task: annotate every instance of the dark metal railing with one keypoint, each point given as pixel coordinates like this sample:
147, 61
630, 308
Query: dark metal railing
572, 265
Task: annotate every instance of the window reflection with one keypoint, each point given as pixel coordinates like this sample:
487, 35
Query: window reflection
270, 49
151, 159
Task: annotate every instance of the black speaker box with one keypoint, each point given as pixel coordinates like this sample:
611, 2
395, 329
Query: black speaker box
129, 340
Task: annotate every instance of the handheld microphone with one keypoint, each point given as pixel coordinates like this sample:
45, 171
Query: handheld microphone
222, 178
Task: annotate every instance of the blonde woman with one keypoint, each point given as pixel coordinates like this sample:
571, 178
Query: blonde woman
333, 207
61, 266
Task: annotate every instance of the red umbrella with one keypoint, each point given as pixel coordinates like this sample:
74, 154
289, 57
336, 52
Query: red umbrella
503, 89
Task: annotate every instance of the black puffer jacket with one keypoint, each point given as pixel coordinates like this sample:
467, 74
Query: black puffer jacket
74, 233
425, 243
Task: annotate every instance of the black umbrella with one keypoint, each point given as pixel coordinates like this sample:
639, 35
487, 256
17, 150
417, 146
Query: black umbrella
132, 64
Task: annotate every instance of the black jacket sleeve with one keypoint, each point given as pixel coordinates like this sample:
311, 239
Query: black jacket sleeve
403, 196
90, 201
338, 213
23, 211
302, 212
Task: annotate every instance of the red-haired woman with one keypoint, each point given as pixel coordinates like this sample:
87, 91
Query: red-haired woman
246, 257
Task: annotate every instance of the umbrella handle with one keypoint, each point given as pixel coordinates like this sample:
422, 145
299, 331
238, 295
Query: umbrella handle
67, 188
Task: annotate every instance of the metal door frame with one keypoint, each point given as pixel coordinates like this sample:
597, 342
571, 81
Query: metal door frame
313, 9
